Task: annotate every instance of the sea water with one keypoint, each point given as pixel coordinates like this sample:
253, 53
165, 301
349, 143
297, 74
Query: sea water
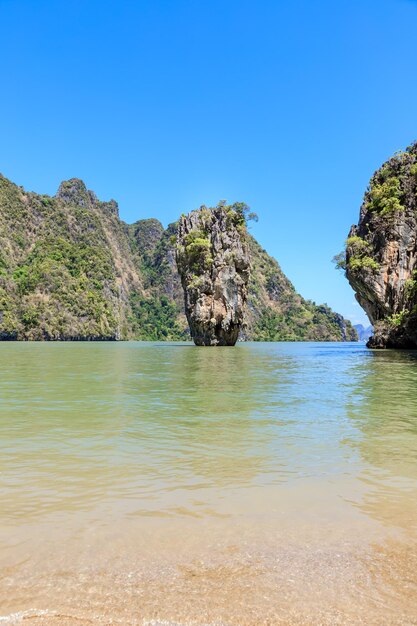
161, 483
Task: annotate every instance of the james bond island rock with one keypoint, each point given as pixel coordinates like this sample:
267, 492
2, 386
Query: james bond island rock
213, 261
381, 253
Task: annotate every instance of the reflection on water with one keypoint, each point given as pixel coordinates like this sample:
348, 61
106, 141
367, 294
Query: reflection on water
386, 417
275, 467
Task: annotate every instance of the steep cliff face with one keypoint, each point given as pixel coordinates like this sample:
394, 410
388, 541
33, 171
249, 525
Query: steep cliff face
66, 267
381, 253
158, 311
213, 261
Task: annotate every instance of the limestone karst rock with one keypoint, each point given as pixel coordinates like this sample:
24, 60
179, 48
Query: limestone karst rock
381, 253
213, 261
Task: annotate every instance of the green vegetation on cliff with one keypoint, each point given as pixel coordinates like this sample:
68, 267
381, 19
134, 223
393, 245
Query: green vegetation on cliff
65, 266
276, 312
358, 256
390, 187
381, 251
157, 312
155, 319
70, 269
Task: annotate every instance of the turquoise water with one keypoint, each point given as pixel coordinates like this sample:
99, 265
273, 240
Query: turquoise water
145, 459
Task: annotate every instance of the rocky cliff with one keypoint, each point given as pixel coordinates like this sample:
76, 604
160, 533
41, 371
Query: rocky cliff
381, 253
213, 261
66, 268
70, 269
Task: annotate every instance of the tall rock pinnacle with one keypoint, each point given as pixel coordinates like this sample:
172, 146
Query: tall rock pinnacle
213, 262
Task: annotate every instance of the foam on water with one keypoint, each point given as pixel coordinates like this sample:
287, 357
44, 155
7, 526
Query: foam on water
20, 616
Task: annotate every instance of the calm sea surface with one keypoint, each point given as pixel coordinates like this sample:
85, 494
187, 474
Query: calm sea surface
157, 484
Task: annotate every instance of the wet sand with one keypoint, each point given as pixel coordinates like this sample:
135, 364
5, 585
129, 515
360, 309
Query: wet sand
213, 573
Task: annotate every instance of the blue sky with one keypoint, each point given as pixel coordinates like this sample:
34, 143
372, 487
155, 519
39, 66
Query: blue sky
169, 104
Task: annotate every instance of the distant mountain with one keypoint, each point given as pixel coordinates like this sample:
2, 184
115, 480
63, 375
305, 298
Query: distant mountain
70, 269
363, 333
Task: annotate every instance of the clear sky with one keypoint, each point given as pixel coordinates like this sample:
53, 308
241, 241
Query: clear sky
165, 105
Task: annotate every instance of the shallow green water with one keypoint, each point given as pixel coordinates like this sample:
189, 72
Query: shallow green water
103, 444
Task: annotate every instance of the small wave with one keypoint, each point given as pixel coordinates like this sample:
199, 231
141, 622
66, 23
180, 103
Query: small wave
165, 622
17, 618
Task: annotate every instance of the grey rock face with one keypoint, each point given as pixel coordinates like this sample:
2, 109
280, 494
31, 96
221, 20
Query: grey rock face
147, 234
213, 261
74, 191
381, 253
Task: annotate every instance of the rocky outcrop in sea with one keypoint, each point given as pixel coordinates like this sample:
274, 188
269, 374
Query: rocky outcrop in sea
213, 261
381, 253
